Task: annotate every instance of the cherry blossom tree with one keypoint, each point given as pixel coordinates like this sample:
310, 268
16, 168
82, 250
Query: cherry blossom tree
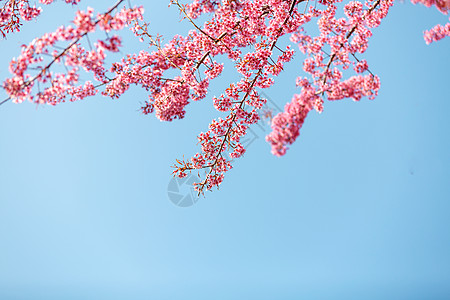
247, 32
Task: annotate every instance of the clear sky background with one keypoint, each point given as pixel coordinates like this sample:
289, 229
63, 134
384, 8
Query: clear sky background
359, 208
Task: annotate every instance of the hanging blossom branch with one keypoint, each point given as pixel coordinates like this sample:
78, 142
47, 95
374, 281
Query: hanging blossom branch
336, 34
224, 135
13, 11
58, 86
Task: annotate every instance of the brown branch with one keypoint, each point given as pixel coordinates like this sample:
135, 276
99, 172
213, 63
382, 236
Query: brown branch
190, 20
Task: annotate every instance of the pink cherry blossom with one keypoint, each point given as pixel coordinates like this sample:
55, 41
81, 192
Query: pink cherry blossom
13, 11
437, 33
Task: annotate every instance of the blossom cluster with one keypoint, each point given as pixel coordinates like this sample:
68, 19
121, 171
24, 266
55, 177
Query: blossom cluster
14, 10
442, 5
437, 33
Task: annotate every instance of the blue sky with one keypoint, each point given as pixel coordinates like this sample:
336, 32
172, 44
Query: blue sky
358, 208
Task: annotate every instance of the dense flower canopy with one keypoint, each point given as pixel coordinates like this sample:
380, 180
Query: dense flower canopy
247, 32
